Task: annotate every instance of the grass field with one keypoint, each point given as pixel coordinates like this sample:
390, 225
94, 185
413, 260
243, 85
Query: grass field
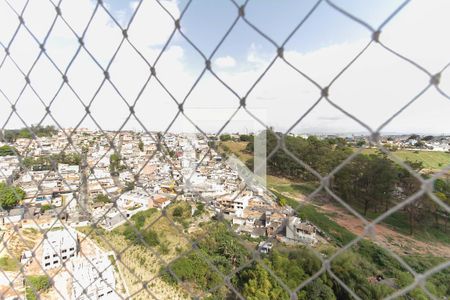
16, 244
431, 159
237, 148
305, 188
8, 263
143, 262
425, 231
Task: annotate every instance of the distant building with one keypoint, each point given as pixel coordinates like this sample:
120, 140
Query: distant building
160, 201
65, 168
59, 246
132, 198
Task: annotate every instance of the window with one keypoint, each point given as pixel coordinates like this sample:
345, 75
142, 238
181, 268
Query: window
55, 262
64, 251
72, 255
47, 264
55, 255
64, 257
71, 249
47, 257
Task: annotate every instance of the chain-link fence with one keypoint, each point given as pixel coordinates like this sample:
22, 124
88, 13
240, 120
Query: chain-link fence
104, 266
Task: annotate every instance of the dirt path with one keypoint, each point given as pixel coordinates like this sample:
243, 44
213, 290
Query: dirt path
385, 236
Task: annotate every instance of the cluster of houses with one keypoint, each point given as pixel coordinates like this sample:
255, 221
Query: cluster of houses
102, 187
407, 142
186, 169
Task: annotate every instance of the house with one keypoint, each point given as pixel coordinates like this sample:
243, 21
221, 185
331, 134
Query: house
14, 216
94, 278
133, 198
160, 201
234, 206
299, 231
58, 247
65, 168
26, 257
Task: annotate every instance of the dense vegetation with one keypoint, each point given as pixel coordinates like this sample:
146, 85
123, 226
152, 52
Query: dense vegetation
41, 163
367, 260
6, 150
137, 233
366, 268
371, 182
323, 155
11, 135
220, 249
10, 196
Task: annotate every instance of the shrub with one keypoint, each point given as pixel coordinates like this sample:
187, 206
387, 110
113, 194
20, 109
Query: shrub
10, 196
177, 212
36, 284
102, 198
225, 137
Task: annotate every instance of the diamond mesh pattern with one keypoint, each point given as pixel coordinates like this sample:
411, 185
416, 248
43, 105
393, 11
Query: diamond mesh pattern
162, 149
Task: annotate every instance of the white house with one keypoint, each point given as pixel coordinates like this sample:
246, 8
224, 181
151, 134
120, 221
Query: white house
65, 168
131, 198
59, 246
93, 278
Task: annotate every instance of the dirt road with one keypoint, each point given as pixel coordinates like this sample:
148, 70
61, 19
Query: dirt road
384, 236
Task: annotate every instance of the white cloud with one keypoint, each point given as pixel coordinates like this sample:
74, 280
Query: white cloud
225, 62
134, 4
372, 89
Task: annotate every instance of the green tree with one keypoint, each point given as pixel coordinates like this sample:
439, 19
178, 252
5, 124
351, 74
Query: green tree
317, 290
100, 198
199, 209
322, 155
368, 181
177, 212
409, 185
225, 137
6, 150
10, 196
141, 146
114, 164
260, 286
245, 138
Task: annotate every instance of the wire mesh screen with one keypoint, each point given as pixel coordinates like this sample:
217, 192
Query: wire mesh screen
99, 224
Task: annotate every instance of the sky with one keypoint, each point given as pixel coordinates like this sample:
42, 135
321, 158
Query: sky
372, 90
